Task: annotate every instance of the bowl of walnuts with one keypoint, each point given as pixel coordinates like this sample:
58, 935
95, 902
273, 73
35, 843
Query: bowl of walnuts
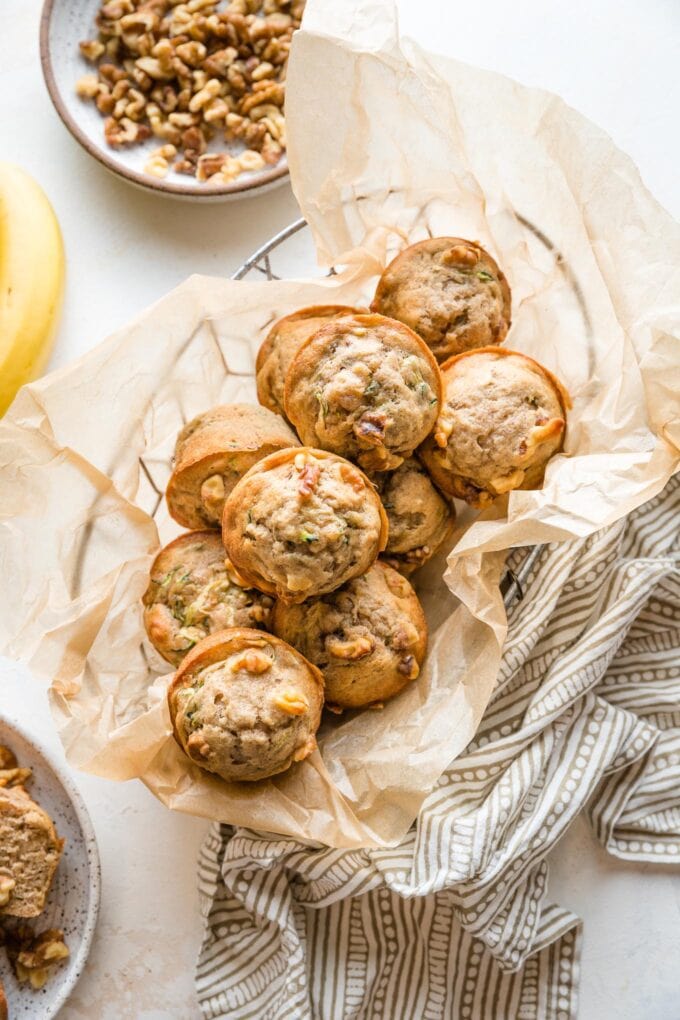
181, 98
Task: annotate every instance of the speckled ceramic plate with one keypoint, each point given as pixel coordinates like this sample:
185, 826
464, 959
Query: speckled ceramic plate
73, 902
64, 24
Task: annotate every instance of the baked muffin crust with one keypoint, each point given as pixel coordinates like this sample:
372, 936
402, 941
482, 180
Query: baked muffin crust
502, 418
302, 522
281, 345
245, 705
213, 451
194, 591
368, 638
419, 517
450, 291
364, 387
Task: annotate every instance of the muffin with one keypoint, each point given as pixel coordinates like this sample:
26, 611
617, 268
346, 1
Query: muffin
450, 291
194, 591
364, 387
30, 850
282, 344
368, 638
213, 451
503, 417
245, 705
302, 522
418, 516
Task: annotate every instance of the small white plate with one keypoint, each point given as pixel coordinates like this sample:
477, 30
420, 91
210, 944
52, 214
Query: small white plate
73, 902
64, 24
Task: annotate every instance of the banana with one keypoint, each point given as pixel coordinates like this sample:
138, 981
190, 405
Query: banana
31, 280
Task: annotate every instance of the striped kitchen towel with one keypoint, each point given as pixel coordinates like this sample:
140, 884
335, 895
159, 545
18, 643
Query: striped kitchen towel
453, 923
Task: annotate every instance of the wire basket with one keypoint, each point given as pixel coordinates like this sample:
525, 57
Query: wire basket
274, 260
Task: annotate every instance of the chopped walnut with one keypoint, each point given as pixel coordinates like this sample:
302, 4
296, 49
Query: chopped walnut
352, 477
442, 431
7, 886
220, 68
33, 956
291, 703
251, 662
306, 749
7, 758
408, 667
15, 776
309, 476
353, 648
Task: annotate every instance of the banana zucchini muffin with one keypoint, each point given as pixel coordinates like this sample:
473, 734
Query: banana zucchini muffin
419, 517
503, 418
194, 591
282, 344
450, 291
364, 387
368, 638
30, 851
302, 522
213, 451
245, 705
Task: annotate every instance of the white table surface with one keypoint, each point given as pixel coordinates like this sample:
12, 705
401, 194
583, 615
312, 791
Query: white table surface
615, 60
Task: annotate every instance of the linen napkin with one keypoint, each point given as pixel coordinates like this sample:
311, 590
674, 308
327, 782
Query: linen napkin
453, 922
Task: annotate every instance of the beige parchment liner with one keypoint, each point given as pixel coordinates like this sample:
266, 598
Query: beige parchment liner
386, 145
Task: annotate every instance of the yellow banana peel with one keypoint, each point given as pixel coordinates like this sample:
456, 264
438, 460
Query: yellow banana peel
31, 280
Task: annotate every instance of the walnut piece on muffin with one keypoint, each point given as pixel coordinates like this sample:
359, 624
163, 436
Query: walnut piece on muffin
301, 522
194, 591
419, 518
245, 705
368, 638
364, 387
450, 292
282, 343
213, 451
503, 417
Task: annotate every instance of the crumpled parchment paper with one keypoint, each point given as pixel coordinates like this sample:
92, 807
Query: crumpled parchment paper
387, 144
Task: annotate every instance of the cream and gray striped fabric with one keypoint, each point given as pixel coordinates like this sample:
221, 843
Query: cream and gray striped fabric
453, 923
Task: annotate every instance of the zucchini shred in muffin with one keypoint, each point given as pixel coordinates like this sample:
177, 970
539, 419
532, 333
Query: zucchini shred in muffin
245, 705
364, 387
301, 522
450, 292
419, 518
213, 451
368, 638
282, 343
503, 417
194, 591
